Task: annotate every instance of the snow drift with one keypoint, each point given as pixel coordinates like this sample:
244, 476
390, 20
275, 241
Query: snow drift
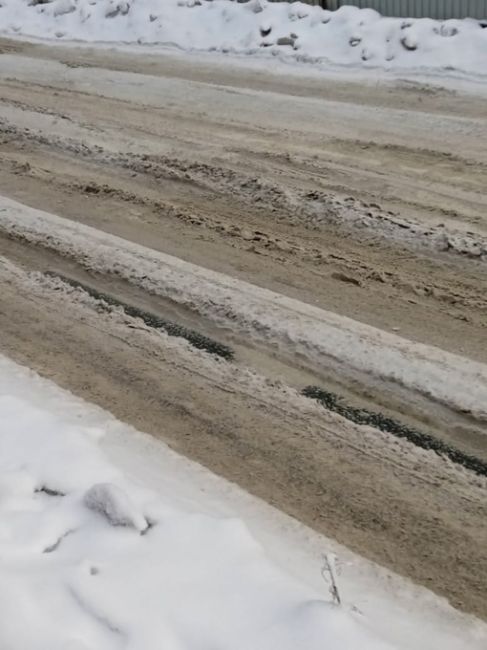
347, 36
80, 569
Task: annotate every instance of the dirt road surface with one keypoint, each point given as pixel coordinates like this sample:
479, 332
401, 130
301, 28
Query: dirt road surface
365, 201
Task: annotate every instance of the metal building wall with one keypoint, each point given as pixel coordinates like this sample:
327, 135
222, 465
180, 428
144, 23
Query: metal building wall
440, 9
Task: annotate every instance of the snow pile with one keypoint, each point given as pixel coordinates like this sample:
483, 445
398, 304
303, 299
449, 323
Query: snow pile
89, 559
347, 36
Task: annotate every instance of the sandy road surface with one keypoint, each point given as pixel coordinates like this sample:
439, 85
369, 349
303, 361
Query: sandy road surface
364, 201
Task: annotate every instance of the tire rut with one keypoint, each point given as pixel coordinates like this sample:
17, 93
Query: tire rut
314, 209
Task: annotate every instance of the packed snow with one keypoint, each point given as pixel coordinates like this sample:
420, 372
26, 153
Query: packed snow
347, 36
110, 540
259, 314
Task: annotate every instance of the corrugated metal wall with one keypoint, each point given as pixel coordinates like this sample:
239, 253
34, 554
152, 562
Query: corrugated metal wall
440, 9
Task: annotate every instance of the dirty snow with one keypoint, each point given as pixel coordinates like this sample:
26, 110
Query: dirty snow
348, 36
259, 314
158, 562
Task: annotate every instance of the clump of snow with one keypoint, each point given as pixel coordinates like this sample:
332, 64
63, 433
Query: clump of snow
114, 504
346, 36
70, 578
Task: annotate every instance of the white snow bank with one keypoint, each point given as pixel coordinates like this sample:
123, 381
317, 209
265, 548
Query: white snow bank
346, 36
196, 579
69, 578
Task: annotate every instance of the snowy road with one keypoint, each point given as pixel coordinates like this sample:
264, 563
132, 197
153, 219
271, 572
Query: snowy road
362, 200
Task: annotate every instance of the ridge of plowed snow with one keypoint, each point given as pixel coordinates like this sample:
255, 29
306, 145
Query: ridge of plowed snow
260, 314
347, 36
